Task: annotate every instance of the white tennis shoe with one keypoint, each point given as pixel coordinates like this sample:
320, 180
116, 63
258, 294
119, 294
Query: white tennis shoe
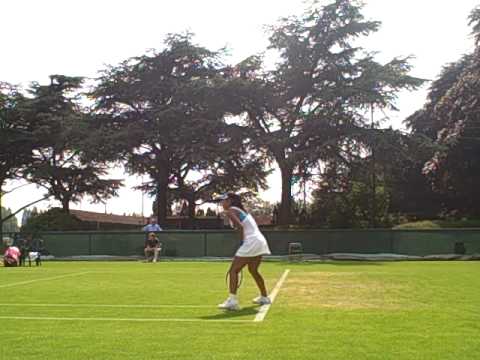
262, 300
229, 304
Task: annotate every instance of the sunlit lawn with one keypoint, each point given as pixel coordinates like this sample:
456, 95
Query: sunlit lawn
336, 310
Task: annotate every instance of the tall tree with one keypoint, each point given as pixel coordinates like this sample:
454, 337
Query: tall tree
63, 164
452, 117
305, 108
15, 138
16, 143
164, 110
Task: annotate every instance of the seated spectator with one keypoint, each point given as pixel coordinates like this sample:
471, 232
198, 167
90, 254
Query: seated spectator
34, 256
152, 248
38, 249
11, 256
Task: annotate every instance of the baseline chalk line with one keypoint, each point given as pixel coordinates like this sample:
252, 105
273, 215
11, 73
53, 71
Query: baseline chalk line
44, 279
262, 312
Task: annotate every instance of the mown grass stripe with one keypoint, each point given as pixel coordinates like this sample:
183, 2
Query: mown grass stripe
49, 318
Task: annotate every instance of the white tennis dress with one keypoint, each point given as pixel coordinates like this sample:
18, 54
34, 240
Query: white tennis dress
254, 243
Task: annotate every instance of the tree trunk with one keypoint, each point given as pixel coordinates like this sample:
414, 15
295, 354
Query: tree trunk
66, 205
1, 215
373, 214
285, 211
191, 223
191, 207
162, 190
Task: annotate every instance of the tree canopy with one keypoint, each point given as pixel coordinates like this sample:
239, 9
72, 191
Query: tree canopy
59, 158
197, 126
315, 98
166, 111
451, 117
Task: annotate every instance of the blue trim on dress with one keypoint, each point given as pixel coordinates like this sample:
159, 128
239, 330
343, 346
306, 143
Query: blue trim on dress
242, 216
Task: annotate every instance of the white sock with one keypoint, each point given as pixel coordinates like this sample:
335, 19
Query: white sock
233, 297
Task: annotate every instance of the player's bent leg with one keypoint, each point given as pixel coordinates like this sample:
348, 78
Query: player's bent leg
237, 265
253, 266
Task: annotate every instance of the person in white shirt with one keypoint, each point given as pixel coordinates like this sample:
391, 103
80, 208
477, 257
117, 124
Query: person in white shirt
253, 247
152, 226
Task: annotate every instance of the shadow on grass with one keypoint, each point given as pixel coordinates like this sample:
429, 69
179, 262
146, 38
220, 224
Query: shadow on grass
226, 315
332, 262
354, 262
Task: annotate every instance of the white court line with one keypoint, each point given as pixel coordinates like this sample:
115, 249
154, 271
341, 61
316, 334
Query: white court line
121, 319
264, 308
44, 279
107, 305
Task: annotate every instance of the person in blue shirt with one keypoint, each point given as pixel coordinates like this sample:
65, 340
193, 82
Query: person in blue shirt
152, 226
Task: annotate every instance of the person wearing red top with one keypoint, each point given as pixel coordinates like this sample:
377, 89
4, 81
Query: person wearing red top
11, 256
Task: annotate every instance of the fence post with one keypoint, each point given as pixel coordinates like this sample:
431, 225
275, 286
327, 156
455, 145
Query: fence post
205, 243
89, 244
392, 242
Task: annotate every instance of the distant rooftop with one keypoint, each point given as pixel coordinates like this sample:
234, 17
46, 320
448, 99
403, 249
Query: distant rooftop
91, 216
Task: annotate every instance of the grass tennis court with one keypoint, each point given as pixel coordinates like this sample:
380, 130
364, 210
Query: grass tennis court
335, 310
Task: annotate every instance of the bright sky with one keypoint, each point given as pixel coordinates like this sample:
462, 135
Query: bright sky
70, 37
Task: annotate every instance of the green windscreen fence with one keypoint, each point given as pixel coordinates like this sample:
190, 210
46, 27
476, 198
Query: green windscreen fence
222, 243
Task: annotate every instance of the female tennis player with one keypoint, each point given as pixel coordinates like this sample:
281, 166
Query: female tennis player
250, 252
